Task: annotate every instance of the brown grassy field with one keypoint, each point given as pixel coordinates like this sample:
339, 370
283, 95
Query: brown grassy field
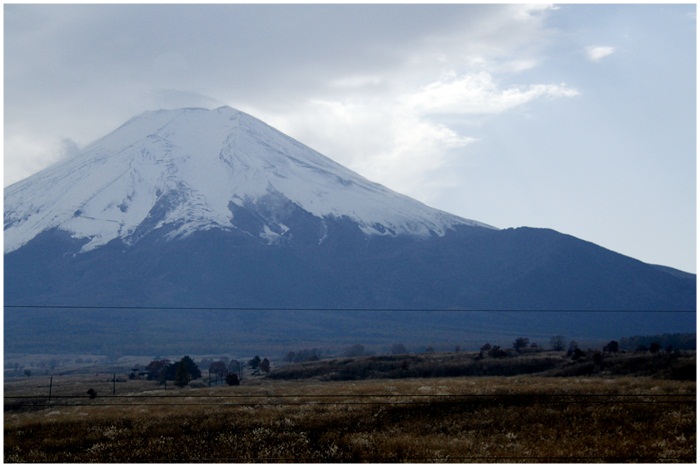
460, 419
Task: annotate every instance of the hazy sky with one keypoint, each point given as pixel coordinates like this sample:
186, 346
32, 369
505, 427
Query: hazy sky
580, 118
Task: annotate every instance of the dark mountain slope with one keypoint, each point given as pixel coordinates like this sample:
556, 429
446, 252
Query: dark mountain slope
516, 269
532, 269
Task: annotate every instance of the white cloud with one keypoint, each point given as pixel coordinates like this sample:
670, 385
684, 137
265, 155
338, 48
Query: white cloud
35, 155
517, 65
401, 138
356, 81
595, 54
173, 98
478, 93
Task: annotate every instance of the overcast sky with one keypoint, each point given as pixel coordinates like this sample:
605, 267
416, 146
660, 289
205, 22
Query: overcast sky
579, 118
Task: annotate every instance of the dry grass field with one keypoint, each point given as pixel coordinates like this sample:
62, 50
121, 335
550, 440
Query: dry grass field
459, 419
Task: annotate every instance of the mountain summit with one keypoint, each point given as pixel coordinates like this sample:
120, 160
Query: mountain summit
195, 169
218, 224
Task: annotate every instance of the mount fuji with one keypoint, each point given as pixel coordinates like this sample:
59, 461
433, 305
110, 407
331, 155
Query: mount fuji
193, 170
194, 216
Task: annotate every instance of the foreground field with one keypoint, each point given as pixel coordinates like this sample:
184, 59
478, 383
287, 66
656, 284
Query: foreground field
465, 419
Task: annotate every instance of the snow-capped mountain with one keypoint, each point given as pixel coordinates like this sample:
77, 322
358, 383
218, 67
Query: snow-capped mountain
214, 209
189, 169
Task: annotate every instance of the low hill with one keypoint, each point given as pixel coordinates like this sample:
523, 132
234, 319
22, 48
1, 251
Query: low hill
667, 365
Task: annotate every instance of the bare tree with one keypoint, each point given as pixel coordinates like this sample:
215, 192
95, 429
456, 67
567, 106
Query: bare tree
520, 343
357, 350
611, 346
219, 370
557, 343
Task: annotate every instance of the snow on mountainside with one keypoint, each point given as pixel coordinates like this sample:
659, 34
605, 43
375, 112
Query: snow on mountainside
183, 168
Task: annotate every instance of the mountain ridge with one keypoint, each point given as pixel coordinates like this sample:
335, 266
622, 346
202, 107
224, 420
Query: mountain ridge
181, 209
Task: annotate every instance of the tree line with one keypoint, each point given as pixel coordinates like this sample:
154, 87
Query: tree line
520, 345
186, 370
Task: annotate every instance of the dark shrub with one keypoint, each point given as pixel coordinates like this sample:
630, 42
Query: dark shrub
232, 379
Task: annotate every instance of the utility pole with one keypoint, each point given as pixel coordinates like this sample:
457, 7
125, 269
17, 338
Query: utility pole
50, 387
114, 384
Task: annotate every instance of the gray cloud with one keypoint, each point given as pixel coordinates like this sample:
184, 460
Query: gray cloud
69, 148
232, 51
81, 70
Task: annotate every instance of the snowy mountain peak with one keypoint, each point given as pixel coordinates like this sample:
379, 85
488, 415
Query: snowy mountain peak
189, 169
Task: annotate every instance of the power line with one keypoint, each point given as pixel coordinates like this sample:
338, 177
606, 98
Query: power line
356, 400
360, 396
481, 459
340, 309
